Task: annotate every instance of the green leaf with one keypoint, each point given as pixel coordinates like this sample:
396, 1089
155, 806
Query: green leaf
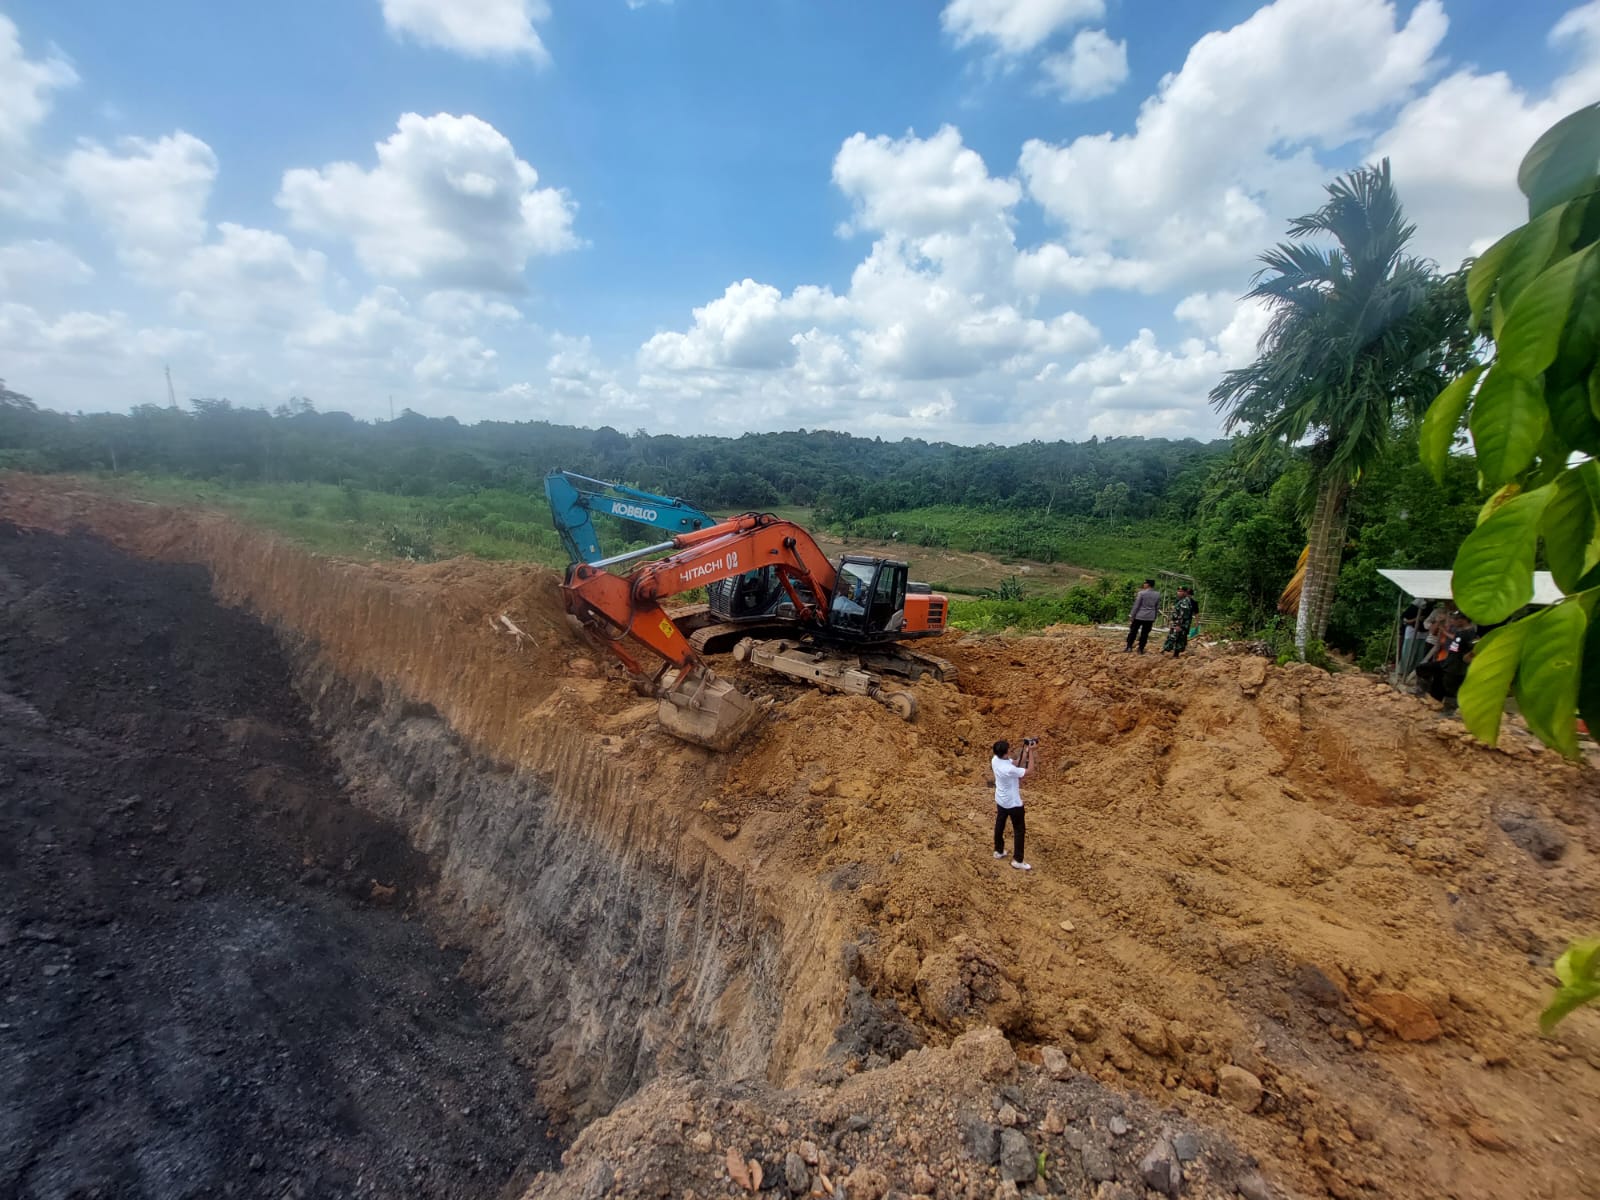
1508, 421
1489, 675
1578, 969
1571, 527
1443, 418
1571, 416
1528, 341
1495, 500
1589, 685
1493, 575
1485, 272
1563, 162
1548, 673
1580, 337
1539, 241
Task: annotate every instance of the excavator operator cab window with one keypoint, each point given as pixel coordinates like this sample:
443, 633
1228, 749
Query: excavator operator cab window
751, 591
888, 598
868, 596
852, 595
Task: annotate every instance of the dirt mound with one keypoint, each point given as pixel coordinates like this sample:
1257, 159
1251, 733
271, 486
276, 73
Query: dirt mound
1240, 870
206, 984
1307, 876
964, 1121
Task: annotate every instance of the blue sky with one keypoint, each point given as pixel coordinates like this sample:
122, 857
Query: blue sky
983, 220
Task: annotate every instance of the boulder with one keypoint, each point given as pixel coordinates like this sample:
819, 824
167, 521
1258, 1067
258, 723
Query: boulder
1239, 1088
1160, 1169
1145, 1030
1017, 1161
1055, 1062
1406, 1017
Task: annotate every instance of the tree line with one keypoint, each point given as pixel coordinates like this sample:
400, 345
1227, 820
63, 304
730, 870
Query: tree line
845, 477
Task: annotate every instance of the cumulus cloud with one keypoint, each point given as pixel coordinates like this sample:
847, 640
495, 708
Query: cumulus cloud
934, 300
476, 28
1456, 147
149, 196
106, 353
26, 87
385, 341
1224, 151
1145, 388
28, 182
750, 325
1015, 26
248, 277
449, 204
919, 186
1093, 65
37, 265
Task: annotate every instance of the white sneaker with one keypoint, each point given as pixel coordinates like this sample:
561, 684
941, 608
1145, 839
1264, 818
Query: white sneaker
1023, 866
999, 853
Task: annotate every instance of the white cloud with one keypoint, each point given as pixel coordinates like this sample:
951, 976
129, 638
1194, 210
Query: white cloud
150, 196
1223, 152
462, 310
102, 346
1015, 26
1094, 65
248, 277
28, 182
750, 325
25, 88
35, 266
383, 340
934, 300
1144, 388
917, 187
476, 28
448, 205
1456, 148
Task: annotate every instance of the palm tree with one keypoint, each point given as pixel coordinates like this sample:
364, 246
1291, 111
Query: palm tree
1359, 337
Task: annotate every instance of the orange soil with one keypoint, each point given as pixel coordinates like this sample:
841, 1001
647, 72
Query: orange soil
1234, 863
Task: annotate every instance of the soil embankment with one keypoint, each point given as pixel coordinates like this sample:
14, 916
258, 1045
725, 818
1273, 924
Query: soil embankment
211, 981
1298, 909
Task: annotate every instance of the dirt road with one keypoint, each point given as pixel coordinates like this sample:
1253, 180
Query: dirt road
207, 986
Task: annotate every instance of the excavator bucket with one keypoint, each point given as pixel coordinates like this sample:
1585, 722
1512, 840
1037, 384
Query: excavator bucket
707, 711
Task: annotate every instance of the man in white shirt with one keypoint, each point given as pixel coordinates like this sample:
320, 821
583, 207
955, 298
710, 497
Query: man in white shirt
1008, 798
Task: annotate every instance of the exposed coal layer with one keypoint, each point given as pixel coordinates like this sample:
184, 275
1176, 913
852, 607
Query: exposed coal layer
213, 980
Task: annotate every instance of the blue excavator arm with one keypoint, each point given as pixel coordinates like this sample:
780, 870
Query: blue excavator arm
575, 498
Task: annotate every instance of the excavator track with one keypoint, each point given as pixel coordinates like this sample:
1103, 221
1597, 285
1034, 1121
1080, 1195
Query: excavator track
829, 670
910, 664
719, 637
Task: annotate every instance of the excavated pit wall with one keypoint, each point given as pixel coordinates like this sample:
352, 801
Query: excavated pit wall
618, 949
614, 938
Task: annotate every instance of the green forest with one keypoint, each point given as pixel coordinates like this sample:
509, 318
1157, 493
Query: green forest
421, 487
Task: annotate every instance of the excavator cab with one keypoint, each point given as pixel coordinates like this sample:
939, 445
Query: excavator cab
869, 598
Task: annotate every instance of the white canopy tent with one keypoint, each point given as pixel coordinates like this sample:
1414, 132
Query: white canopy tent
1435, 585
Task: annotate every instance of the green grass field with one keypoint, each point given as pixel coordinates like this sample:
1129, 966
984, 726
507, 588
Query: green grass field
953, 549
1094, 544
489, 524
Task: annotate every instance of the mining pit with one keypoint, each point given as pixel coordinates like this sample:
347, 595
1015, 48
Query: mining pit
326, 878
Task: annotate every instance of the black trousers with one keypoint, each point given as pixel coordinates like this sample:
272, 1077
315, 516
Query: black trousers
1142, 630
1019, 827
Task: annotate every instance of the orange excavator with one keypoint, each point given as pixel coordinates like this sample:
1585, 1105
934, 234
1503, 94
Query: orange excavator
843, 630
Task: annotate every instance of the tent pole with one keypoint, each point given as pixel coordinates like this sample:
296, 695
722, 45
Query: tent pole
1400, 641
